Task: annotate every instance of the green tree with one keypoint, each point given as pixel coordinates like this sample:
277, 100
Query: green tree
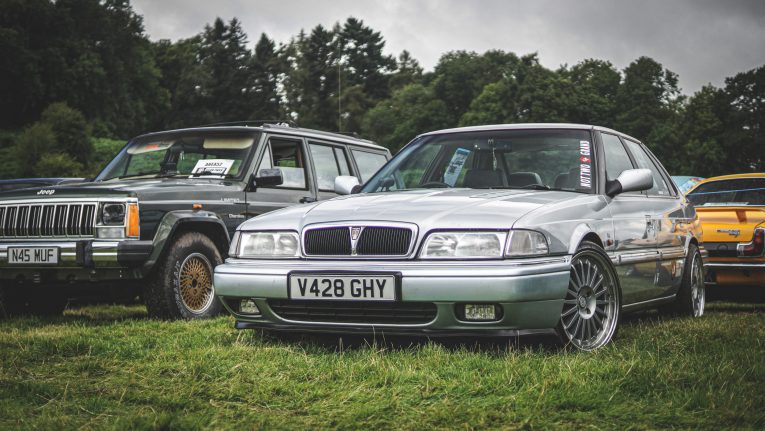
33, 143
408, 71
460, 76
595, 87
266, 68
411, 110
742, 111
71, 130
648, 104
702, 130
58, 165
364, 62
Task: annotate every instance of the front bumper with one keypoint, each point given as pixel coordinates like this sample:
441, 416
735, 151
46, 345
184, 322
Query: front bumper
529, 292
92, 260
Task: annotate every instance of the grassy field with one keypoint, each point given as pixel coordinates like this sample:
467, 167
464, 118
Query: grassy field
108, 367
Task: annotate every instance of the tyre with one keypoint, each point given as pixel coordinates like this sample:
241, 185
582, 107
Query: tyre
691, 297
590, 313
180, 286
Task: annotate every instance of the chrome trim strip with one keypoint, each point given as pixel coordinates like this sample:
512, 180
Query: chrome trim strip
734, 265
663, 299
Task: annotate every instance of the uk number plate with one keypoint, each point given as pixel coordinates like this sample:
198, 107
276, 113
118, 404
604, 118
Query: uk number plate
346, 287
33, 255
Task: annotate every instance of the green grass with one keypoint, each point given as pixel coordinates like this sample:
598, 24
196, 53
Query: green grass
108, 367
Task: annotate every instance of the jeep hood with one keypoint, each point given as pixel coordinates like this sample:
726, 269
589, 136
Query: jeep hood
113, 188
430, 209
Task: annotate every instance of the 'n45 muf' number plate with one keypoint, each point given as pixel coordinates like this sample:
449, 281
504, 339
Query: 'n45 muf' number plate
346, 287
33, 255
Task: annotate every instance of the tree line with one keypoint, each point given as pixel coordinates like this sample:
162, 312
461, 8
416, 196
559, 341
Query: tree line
74, 69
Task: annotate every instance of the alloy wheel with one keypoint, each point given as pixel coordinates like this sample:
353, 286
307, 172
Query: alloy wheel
698, 292
591, 308
195, 283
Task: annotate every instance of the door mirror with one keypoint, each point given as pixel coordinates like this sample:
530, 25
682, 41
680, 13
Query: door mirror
631, 180
267, 177
346, 185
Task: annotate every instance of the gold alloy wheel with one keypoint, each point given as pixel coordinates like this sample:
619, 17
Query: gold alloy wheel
195, 283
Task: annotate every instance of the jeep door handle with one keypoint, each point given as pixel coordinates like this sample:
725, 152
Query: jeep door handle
307, 199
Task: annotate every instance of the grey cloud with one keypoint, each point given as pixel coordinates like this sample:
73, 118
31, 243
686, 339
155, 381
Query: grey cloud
702, 41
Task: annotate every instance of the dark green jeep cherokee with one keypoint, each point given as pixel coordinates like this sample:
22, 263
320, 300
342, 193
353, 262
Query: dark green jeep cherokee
160, 216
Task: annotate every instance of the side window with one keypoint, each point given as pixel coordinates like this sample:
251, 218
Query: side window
617, 159
328, 163
288, 156
644, 162
368, 163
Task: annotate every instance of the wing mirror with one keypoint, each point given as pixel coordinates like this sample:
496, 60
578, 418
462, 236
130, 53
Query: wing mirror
346, 185
266, 177
631, 180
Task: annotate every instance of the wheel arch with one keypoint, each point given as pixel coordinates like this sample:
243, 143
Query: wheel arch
176, 223
584, 232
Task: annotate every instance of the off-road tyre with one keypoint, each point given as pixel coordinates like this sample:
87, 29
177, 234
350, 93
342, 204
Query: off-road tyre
180, 286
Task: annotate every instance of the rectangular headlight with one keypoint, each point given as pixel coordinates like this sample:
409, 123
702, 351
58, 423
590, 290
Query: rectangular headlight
464, 245
268, 244
525, 243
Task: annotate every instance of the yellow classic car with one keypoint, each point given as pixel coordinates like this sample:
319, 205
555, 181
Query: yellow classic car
731, 209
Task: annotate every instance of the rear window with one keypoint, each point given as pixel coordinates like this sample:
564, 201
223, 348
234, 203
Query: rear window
738, 192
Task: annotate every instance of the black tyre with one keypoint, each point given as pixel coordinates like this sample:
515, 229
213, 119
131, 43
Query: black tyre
180, 286
691, 297
591, 309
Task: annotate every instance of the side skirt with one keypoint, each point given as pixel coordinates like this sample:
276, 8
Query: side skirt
628, 308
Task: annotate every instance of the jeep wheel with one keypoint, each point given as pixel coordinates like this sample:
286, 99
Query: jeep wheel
181, 284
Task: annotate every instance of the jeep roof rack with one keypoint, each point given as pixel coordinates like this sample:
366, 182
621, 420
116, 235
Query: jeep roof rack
288, 123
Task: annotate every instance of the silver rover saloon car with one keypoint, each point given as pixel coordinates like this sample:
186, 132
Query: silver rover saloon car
490, 230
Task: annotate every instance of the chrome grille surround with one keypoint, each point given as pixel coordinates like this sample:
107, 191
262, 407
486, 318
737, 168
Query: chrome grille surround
356, 240
45, 219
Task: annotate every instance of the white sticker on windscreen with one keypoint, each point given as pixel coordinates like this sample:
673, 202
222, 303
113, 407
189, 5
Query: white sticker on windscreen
212, 167
585, 165
455, 166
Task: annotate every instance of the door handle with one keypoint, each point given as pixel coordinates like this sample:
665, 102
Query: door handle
307, 199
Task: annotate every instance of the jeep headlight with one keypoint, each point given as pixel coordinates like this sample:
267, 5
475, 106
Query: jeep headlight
113, 214
268, 244
464, 245
526, 243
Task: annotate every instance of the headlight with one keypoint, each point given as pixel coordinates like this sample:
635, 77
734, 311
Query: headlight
268, 244
524, 243
113, 214
464, 245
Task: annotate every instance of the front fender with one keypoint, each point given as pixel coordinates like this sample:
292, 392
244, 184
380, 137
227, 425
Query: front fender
172, 221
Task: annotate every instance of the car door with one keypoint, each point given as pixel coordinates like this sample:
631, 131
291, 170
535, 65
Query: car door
634, 249
329, 160
666, 210
367, 163
289, 154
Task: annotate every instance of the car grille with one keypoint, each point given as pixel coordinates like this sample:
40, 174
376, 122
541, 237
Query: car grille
47, 220
372, 241
369, 312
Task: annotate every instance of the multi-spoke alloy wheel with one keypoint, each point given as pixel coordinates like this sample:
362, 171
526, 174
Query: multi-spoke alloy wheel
195, 282
698, 293
591, 308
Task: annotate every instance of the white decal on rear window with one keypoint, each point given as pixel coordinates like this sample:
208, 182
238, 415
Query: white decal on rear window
585, 165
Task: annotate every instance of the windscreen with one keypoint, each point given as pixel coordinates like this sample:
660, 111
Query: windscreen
189, 156
735, 192
503, 159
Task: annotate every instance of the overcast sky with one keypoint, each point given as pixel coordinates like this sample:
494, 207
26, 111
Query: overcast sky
702, 41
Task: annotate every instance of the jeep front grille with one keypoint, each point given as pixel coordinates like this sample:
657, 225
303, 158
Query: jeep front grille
370, 241
52, 220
